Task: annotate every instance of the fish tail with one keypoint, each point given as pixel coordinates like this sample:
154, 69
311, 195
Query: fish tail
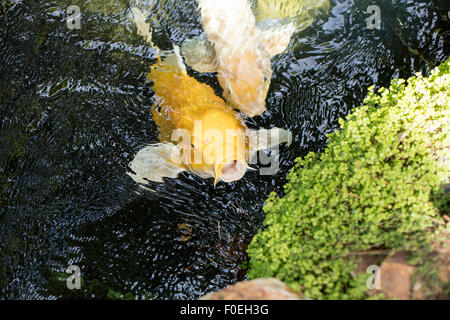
172, 58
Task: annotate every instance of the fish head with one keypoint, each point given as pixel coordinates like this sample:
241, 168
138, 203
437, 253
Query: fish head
223, 144
246, 81
230, 171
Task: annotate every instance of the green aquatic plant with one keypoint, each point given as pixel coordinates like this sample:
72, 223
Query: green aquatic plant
373, 188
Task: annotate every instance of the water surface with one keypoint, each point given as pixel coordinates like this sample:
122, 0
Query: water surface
75, 109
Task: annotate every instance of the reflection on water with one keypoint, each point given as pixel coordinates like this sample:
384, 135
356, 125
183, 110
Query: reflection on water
75, 108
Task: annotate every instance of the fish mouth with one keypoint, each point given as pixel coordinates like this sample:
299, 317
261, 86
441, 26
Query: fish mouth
232, 170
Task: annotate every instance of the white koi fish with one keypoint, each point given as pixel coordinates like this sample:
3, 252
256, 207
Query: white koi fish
238, 51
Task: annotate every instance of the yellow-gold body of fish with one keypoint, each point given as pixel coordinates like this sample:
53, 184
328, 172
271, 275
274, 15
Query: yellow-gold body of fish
213, 136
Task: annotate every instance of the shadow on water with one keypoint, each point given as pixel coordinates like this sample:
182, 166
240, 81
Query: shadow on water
75, 108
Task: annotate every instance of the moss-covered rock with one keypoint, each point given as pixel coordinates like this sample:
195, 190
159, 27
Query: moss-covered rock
375, 187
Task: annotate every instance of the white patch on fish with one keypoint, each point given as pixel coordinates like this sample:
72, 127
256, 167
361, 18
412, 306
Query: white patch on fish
238, 51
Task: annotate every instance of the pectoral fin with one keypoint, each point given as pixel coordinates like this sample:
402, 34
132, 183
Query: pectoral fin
199, 53
267, 138
274, 37
156, 161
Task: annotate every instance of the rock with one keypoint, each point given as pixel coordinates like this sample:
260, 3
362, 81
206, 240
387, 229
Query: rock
400, 280
396, 276
258, 289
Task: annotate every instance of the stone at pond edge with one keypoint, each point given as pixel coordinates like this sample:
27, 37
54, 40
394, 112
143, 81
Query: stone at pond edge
396, 277
258, 289
403, 281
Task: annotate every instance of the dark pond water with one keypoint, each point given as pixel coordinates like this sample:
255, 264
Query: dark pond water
74, 109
